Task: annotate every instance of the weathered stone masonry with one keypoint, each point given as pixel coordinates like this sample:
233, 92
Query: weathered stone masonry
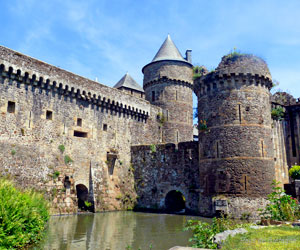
81, 142
53, 107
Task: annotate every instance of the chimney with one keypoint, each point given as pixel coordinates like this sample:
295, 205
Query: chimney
188, 55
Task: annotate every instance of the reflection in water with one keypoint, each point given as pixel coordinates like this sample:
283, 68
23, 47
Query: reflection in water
115, 231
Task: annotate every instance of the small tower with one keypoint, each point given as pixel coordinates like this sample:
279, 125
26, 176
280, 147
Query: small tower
168, 84
130, 86
235, 135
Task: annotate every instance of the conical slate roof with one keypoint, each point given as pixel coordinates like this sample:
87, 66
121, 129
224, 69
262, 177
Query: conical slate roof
128, 82
168, 51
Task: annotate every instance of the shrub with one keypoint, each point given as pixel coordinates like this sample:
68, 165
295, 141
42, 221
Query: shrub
153, 148
234, 55
23, 216
202, 125
294, 172
87, 204
281, 206
68, 159
161, 118
204, 233
13, 152
61, 148
277, 113
198, 71
55, 174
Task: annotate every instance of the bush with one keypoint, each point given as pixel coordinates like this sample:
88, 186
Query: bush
294, 172
153, 148
204, 233
281, 206
61, 148
23, 216
277, 113
68, 159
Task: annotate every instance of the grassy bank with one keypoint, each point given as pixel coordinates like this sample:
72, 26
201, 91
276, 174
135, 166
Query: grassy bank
269, 238
23, 216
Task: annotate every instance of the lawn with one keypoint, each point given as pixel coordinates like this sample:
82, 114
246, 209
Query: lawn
269, 238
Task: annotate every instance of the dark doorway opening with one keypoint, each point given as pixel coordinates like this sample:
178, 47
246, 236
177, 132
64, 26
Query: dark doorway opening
175, 202
82, 196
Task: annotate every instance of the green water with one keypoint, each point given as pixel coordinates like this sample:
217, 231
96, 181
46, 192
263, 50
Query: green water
116, 231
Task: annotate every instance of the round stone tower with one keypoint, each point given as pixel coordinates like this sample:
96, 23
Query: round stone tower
168, 84
235, 136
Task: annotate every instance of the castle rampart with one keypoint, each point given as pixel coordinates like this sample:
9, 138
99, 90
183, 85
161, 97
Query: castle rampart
70, 136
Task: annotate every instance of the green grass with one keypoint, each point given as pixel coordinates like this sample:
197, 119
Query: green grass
269, 238
23, 216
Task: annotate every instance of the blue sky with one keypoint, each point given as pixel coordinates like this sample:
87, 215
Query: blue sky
105, 39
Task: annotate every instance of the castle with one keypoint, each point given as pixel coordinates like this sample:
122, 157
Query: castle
98, 148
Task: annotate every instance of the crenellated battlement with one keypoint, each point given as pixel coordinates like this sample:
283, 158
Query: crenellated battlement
215, 82
168, 80
28, 71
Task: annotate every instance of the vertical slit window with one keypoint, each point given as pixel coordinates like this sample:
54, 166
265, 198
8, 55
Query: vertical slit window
240, 114
79, 122
218, 150
153, 96
167, 115
245, 183
29, 122
176, 95
262, 148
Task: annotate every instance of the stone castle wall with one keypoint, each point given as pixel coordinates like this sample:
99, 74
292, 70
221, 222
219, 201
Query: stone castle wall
43, 107
163, 168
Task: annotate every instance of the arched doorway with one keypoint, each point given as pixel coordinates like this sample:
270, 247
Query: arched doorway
175, 201
82, 196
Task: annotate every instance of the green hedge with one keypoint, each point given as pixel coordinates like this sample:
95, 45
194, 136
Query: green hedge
294, 172
23, 216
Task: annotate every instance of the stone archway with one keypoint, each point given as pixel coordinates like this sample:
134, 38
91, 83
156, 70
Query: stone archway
174, 201
82, 196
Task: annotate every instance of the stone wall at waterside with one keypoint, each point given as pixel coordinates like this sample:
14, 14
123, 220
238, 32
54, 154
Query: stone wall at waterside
166, 175
68, 136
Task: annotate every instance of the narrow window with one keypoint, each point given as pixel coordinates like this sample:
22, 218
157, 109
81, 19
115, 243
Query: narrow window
167, 115
153, 96
176, 95
49, 115
262, 148
80, 134
245, 183
141, 95
240, 114
79, 122
131, 92
11, 107
104, 127
29, 119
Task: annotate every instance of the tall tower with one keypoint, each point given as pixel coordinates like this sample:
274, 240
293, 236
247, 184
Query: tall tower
235, 136
168, 84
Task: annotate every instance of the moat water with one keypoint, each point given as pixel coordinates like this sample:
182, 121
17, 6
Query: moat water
116, 231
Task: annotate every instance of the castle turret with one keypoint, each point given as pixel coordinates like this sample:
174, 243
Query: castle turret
168, 84
235, 135
130, 86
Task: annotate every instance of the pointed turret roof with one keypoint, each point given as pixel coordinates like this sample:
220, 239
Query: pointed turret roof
168, 51
128, 82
